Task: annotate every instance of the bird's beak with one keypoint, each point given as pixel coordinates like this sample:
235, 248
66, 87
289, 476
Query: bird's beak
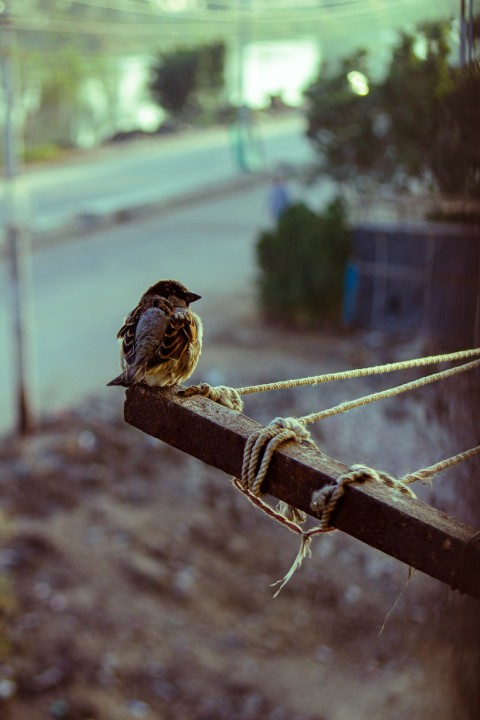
191, 297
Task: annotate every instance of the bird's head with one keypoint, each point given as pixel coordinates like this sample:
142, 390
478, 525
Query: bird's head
174, 291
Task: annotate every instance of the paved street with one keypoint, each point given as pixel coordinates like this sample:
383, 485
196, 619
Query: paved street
149, 170
84, 287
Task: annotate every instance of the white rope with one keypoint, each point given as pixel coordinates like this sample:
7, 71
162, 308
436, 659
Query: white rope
427, 474
262, 444
360, 372
389, 393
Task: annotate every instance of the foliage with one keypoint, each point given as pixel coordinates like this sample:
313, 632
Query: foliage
54, 96
302, 263
174, 79
341, 124
418, 121
180, 77
456, 154
411, 95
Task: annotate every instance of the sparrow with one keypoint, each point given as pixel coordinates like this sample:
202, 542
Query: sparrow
161, 338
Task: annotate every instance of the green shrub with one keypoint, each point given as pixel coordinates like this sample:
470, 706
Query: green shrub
188, 82
302, 264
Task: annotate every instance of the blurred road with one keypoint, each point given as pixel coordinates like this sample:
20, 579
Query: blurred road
83, 288
149, 170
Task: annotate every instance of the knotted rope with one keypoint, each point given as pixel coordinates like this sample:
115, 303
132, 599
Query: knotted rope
259, 450
230, 397
324, 501
262, 443
267, 439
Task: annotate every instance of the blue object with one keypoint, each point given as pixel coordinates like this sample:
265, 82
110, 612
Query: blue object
350, 293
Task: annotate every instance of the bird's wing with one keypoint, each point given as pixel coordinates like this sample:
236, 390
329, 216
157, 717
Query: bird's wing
181, 331
140, 321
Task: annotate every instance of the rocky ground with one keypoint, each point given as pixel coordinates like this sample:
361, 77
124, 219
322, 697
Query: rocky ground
135, 581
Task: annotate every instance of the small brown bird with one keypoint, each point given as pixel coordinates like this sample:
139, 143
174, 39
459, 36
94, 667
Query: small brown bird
161, 337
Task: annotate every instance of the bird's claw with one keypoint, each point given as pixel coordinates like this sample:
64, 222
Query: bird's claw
221, 394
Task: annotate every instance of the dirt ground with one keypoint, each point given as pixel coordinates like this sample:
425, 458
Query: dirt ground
135, 581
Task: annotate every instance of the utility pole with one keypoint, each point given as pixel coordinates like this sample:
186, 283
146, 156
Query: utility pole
243, 122
17, 240
463, 33
470, 31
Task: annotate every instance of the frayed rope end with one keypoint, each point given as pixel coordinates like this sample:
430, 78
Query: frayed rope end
304, 551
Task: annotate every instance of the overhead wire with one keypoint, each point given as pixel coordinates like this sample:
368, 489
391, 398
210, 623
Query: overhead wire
308, 14
228, 9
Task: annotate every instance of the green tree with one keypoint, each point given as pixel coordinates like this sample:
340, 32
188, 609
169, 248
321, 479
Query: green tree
54, 95
411, 96
420, 120
181, 79
342, 125
456, 152
174, 80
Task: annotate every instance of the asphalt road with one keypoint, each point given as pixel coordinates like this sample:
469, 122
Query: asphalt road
147, 171
84, 285
83, 288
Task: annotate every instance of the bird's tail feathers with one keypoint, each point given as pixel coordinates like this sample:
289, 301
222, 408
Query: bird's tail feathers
119, 380
129, 377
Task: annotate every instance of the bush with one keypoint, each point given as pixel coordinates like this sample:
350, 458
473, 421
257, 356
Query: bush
174, 80
188, 80
302, 264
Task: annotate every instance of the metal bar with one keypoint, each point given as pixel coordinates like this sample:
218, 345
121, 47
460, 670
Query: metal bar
402, 527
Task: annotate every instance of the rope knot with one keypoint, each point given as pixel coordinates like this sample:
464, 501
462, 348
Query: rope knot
295, 426
258, 452
324, 501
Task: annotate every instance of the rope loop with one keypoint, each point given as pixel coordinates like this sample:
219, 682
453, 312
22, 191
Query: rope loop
266, 440
258, 453
293, 424
324, 501
262, 443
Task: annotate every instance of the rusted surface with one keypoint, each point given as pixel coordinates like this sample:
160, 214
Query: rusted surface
402, 527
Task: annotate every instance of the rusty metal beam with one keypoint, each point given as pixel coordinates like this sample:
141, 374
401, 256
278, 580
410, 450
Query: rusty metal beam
402, 527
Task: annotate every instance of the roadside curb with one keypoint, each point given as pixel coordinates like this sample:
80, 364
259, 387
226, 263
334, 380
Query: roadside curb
87, 223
